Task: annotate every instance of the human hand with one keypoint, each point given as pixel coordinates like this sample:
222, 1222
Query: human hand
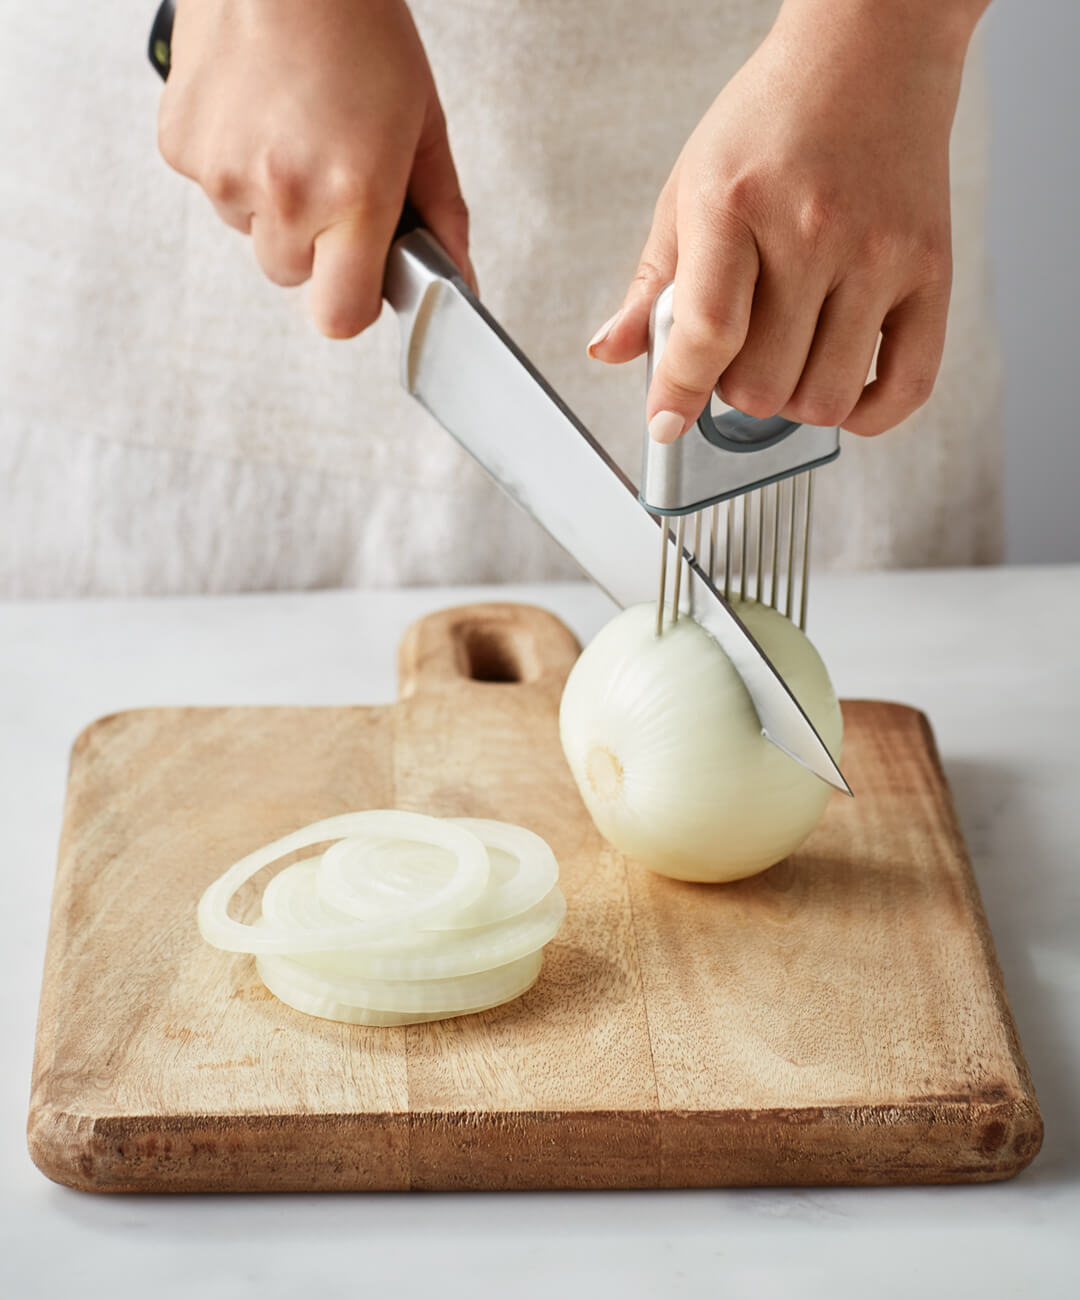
807, 214
307, 122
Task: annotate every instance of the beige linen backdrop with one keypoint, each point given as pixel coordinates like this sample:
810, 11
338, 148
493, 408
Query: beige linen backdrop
170, 422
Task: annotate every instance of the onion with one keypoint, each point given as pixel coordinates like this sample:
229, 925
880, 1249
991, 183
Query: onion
668, 754
430, 917
291, 900
433, 898
360, 880
293, 983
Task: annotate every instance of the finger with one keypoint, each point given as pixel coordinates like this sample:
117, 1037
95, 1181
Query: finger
912, 340
435, 193
783, 319
714, 292
626, 334
840, 356
284, 252
348, 268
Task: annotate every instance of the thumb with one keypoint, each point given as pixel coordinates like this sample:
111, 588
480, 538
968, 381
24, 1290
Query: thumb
435, 193
626, 334
714, 293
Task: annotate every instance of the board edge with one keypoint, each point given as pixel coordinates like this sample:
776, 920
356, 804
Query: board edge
990, 1141
1026, 1085
184, 1154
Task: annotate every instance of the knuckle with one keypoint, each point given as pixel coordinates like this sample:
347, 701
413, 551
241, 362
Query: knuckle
933, 273
922, 257
220, 183
351, 188
283, 182
901, 397
455, 211
756, 400
648, 276
815, 218
915, 387
709, 328
822, 410
878, 246
681, 391
457, 208
933, 247
937, 282
735, 197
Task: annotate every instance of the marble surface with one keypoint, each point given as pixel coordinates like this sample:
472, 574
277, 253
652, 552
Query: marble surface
990, 655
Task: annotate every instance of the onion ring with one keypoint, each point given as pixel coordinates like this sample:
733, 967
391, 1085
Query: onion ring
466, 884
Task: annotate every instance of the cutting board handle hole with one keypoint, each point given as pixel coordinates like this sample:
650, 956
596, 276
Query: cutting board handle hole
493, 653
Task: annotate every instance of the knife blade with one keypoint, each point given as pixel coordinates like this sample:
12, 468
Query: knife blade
468, 373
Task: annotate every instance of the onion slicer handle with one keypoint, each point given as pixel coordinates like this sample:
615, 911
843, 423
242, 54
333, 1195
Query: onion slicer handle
723, 454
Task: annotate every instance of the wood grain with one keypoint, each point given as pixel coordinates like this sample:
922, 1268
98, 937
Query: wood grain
839, 1019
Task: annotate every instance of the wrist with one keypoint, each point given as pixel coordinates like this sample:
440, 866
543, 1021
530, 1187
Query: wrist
935, 30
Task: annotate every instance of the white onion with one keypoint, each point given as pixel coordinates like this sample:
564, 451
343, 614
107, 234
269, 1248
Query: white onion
432, 899
294, 983
667, 751
523, 871
363, 880
446, 916
291, 900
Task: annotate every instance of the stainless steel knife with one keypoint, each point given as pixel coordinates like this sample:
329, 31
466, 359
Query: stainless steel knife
462, 367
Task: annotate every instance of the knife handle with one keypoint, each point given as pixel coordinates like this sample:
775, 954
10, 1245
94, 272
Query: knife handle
408, 221
159, 47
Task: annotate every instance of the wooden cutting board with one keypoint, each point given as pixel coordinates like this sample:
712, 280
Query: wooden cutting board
838, 1019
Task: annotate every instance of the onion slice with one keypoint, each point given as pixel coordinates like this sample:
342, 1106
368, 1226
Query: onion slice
508, 894
362, 881
466, 883
290, 900
341, 998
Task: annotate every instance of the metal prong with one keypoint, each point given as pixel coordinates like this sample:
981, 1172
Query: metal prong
680, 533
760, 544
665, 534
775, 547
791, 552
697, 536
806, 550
727, 549
714, 527
745, 539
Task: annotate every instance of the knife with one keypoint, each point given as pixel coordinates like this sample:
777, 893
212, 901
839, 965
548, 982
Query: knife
462, 367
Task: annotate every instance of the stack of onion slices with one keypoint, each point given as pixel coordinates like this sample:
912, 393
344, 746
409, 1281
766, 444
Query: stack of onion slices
404, 918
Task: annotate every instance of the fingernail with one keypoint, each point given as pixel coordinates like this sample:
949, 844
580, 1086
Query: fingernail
604, 330
666, 426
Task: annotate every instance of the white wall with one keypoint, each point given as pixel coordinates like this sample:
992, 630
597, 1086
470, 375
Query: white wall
1033, 47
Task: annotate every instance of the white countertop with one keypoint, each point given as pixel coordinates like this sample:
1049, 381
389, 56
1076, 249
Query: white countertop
991, 655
